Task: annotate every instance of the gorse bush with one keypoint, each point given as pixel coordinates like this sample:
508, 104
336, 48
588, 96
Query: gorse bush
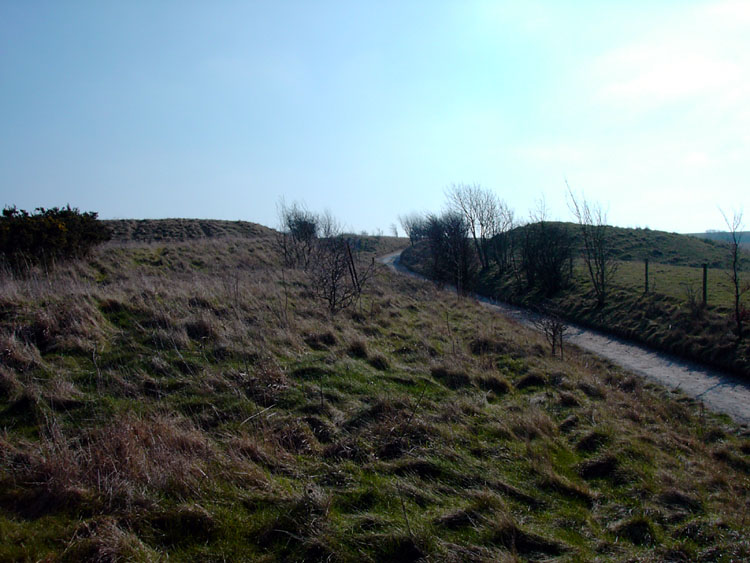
48, 235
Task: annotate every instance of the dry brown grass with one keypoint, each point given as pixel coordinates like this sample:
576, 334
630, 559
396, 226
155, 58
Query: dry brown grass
118, 465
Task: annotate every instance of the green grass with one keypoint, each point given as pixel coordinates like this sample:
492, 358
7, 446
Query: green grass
178, 410
680, 283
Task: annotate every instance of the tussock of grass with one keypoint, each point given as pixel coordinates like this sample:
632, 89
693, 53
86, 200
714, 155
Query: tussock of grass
451, 377
190, 399
104, 539
638, 530
492, 382
531, 380
358, 349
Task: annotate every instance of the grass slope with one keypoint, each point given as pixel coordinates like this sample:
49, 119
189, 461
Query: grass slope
724, 237
670, 317
191, 400
154, 230
661, 247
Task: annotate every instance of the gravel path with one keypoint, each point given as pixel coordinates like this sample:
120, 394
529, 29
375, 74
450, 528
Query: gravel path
718, 391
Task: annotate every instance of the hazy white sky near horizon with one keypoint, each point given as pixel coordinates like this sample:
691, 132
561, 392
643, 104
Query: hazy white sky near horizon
371, 109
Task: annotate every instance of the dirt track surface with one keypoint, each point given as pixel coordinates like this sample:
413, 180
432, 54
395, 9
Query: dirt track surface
718, 391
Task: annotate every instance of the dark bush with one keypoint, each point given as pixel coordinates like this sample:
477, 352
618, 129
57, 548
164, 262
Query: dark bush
48, 235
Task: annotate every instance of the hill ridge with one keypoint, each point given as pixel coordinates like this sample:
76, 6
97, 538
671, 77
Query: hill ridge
180, 229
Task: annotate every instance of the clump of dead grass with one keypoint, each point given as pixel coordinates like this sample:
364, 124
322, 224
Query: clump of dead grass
450, 375
105, 539
358, 348
117, 464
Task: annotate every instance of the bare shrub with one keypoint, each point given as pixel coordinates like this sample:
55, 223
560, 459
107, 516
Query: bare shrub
544, 255
597, 244
337, 273
452, 258
552, 326
741, 315
298, 232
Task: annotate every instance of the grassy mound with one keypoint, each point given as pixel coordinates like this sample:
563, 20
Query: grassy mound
191, 400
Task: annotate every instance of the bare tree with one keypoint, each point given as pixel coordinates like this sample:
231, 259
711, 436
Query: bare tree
316, 243
481, 209
542, 253
735, 227
298, 231
597, 251
452, 259
337, 273
414, 225
501, 243
328, 226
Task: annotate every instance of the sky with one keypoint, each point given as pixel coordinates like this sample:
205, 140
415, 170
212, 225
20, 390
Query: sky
372, 109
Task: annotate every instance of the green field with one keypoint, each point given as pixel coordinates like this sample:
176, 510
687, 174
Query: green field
192, 400
681, 283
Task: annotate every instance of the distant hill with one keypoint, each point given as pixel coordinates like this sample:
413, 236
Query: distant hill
152, 230
663, 247
723, 236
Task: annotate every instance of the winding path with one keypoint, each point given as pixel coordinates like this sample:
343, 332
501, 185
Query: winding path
718, 391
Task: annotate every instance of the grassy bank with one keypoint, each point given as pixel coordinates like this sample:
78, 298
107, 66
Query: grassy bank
670, 317
191, 399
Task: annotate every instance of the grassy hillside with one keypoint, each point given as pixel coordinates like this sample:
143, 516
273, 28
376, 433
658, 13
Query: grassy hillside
154, 230
670, 317
724, 237
662, 247
192, 400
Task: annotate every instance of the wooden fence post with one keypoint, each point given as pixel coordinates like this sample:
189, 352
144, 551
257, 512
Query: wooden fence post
705, 284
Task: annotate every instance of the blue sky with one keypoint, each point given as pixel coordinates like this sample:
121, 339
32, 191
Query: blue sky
371, 109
